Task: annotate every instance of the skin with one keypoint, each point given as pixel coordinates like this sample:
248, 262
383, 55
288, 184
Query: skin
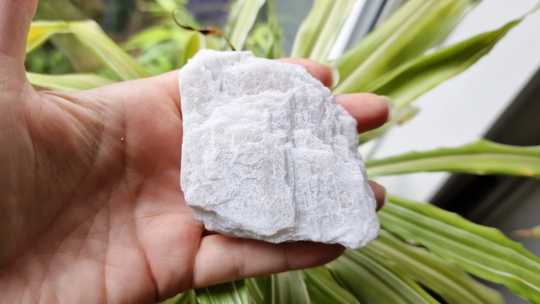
91, 210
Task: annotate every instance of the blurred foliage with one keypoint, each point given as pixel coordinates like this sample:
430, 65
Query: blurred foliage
146, 30
267, 37
48, 60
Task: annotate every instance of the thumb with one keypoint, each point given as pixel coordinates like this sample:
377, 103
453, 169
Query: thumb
15, 19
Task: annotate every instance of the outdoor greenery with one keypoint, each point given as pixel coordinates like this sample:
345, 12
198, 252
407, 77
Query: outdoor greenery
424, 254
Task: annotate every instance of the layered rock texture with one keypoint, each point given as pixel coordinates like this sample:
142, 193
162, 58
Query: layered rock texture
268, 154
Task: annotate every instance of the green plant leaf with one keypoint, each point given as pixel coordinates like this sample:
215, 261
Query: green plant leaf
187, 297
289, 287
323, 288
191, 45
69, 82
418, 76
64, 10
229, 293
349, 61
482, 251
481, 157
311, 27
242, 17
149, 37
413, 79
371, 282
40, 31
259, 289
90, 34
442, 277
92, 37
265, 39
425, 26
81, 58
332, 27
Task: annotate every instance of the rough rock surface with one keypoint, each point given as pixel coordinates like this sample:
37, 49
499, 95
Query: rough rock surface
268, 154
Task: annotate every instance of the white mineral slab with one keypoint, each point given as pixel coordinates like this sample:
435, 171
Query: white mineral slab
268, 154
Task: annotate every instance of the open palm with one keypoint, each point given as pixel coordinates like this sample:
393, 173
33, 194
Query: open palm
91, 208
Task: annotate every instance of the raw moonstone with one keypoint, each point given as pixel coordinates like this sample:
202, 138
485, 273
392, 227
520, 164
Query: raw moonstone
268, 154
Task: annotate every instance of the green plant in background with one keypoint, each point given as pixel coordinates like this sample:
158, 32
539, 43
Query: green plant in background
424, 254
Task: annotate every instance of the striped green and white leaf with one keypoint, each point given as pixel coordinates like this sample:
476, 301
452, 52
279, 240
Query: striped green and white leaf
311, 27
323, 288
43, 30
418, 26
90, 34
69, 82
289, 287
330, 29
482, 251
259, 289
187, 297
446, 279
242, 17
349, 61
371, 282
265, 40
229, 293
418, 76
320, 29
481, 157
93, 38
82, 59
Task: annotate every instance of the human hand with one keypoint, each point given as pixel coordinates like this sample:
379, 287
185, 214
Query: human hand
91, 207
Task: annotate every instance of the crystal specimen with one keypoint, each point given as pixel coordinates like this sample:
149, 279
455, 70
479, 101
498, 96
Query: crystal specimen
268, 154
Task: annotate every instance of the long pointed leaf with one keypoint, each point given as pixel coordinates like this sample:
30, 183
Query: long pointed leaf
266, 38
348, 62
91, 35
481, 157
331, 29
407, 289
81, 58
229, 293
289, 287
482, 251
242, 18
372, 283
311, 27
259, 289
442, 277
187, 297
431, 22
323, 288
420, 75
40, 31
70, 82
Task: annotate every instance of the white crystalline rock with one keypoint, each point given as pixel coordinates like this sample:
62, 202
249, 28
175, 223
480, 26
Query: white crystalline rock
268, 154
